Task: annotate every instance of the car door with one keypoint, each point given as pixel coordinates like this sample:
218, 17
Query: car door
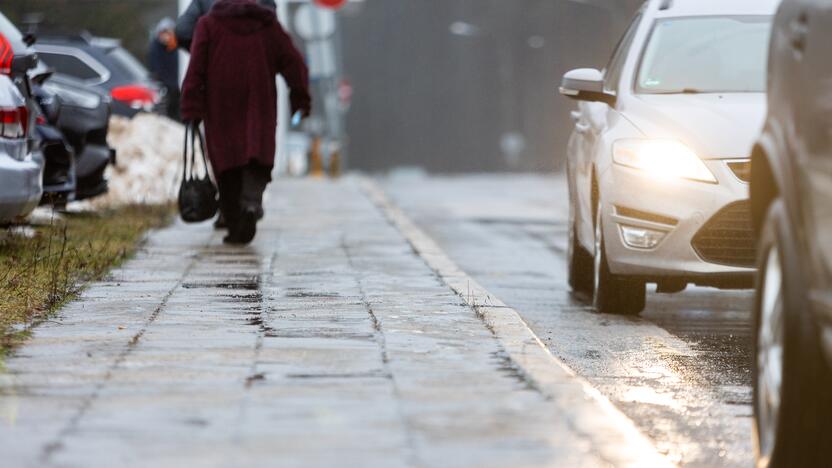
811, 34
591, 121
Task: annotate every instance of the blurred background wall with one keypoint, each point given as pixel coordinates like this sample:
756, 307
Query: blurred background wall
447, 85
470, 85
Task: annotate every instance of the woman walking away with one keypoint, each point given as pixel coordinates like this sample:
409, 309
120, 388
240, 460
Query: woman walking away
237, 51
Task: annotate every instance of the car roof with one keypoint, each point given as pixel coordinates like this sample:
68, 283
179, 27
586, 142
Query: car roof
83, 40
681, 8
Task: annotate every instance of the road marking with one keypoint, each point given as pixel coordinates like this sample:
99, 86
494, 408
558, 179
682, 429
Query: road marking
590, 413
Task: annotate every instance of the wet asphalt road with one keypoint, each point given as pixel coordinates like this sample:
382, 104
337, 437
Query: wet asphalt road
681, 371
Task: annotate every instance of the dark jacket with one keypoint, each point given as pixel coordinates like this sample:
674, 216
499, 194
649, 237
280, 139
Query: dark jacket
238, 50
186, 24
164, 64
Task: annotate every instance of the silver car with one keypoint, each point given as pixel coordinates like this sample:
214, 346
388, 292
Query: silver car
20, 173
658, 163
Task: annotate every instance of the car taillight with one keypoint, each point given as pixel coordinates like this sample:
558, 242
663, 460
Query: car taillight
14, 122
6, 55
136, 96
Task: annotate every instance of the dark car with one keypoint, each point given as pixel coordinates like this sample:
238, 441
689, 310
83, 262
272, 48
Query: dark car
103, 63
791, 197
81, 116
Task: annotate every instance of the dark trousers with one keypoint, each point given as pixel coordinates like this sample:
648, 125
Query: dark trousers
242, 188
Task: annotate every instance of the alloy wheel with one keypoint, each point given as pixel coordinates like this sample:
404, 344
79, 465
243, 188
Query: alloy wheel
597, 259
770, 356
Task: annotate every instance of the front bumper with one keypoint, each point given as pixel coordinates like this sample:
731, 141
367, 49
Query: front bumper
679, 208
21, 187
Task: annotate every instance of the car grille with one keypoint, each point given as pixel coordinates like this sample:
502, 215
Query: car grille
727, 238
741, 169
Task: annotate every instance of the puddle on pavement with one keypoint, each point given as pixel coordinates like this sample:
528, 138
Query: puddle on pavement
348, 375
297, 274
301, 293
247, 286
252, 379
319, 333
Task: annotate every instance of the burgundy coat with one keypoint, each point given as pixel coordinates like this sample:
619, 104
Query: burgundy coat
237, 52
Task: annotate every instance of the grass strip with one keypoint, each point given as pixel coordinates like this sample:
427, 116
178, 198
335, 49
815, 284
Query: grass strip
42, 270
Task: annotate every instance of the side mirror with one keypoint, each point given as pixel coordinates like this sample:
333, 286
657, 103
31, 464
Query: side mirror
30, 39
586, 84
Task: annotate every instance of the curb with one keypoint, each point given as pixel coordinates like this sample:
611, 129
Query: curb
590, 414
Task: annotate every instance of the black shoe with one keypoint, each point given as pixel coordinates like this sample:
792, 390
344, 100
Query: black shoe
220, 222
232, 240
246, 226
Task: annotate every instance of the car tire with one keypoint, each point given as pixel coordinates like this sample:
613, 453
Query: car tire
794, 432
580, 264
613, 294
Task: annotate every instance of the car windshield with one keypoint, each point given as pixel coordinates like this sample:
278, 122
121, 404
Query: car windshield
12, 34
129, 64
706, 55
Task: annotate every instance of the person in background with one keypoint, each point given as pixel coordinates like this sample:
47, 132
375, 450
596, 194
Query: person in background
186, 24
164, 63
237, 51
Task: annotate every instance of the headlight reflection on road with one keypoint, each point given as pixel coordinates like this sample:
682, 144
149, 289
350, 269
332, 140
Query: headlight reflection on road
664, 159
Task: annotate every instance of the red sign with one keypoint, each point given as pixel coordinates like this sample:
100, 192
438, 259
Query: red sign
333, 4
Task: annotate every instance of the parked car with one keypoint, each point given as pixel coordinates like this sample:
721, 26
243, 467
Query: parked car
658, 161
20, 166
791, 192
103, 63
24, 59
20, 172
74, 139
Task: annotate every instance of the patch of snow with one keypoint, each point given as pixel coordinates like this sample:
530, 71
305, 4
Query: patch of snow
44, 216
148, 161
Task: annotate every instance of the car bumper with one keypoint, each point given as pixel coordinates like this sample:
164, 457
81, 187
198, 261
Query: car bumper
20, 187
686, 212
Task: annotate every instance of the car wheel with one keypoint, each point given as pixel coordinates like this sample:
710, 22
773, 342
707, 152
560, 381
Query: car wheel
580, 264
792, 403
613, 294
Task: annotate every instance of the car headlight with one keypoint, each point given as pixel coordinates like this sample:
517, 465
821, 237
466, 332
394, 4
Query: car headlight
665, 159
74, 97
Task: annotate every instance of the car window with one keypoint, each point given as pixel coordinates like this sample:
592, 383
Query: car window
69, 65
128, 64
706, 55
614, 68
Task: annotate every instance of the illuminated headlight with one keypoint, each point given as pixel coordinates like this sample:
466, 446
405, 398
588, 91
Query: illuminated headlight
74, 97
641, 238
664, 159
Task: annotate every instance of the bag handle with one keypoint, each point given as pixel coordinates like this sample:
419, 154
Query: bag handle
189, 168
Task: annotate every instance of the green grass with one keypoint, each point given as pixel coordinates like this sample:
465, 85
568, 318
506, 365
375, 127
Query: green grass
40, 273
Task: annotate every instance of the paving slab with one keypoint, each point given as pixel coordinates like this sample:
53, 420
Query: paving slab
341, 336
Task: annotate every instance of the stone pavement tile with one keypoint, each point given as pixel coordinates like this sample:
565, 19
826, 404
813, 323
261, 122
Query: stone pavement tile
327, 342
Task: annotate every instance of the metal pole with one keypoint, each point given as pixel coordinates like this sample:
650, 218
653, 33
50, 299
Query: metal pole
283, 117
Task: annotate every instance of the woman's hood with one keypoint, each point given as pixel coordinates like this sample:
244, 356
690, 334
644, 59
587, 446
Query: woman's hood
243, 16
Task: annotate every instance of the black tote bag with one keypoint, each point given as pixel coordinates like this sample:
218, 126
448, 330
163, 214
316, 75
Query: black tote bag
197, 195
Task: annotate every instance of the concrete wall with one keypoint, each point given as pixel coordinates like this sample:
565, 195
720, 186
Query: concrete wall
427, 97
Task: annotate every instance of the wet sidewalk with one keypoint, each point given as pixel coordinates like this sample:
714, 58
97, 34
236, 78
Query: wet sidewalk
335, 339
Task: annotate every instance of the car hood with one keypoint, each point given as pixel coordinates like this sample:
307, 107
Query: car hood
716, 126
